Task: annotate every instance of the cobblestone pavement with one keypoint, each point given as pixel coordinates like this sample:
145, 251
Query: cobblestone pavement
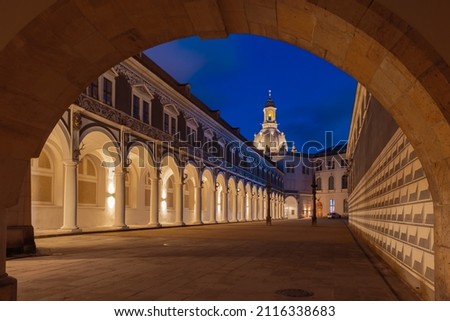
241, 261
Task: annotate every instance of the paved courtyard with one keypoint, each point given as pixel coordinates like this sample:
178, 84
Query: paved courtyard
242, 261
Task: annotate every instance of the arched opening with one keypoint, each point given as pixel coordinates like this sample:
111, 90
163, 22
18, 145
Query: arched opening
240, 201
221, 199
139, 181
232, 200
331, 183
171, 194
191, 194
406, 72
291, 208
208, 212
47, 182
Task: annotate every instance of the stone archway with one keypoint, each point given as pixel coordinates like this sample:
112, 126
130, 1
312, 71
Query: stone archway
291, 208
51, 50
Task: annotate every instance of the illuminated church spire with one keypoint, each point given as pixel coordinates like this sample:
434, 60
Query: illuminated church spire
270, 113
269, 137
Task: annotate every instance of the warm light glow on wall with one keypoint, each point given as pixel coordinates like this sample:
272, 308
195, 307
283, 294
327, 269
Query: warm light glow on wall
164, 205
111, 202
111, 188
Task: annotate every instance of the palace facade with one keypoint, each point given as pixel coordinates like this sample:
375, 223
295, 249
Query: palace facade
332, 181
136, 149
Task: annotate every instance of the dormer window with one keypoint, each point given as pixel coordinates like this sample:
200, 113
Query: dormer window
141, 104
92, 89
209, 136
107, 83
102, 88
170, 124
107, 91
191, 130
221, 145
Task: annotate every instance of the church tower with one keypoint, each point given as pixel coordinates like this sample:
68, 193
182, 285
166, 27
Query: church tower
269, 137
270, 112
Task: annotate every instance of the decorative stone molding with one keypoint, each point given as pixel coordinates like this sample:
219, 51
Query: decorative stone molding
121, 118
76, 121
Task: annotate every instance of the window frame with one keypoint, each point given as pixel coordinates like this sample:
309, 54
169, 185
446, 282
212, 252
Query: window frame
331, 183
191, 130
144, 96
172, 115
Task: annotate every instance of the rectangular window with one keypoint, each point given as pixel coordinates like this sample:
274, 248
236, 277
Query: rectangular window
107, 91
188, 134
166, 124
93, 89
332, 205
135, 108
173, 126
145, 112
192, 135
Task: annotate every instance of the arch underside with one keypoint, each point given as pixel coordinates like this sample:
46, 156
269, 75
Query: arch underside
47, 60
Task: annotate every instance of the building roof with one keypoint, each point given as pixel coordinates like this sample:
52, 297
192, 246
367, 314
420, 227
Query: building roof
185, 90
339, 148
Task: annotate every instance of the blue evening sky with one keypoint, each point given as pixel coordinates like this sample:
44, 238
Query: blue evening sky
235, 74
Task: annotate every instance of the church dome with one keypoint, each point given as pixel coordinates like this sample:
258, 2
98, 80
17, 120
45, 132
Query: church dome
270, 137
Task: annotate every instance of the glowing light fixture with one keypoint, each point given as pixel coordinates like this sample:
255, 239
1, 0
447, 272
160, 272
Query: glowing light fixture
111, 201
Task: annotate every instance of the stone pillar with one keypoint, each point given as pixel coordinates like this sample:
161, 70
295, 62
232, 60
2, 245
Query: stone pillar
154, 204
262, 215
275, 205
274, 208
213, 218
235, 208
119, 215
225, 208
198, 206
254, 208
238, 208
179, 204
246, 207
258, 207
279, 208
249, 207
8, 285
70, 196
